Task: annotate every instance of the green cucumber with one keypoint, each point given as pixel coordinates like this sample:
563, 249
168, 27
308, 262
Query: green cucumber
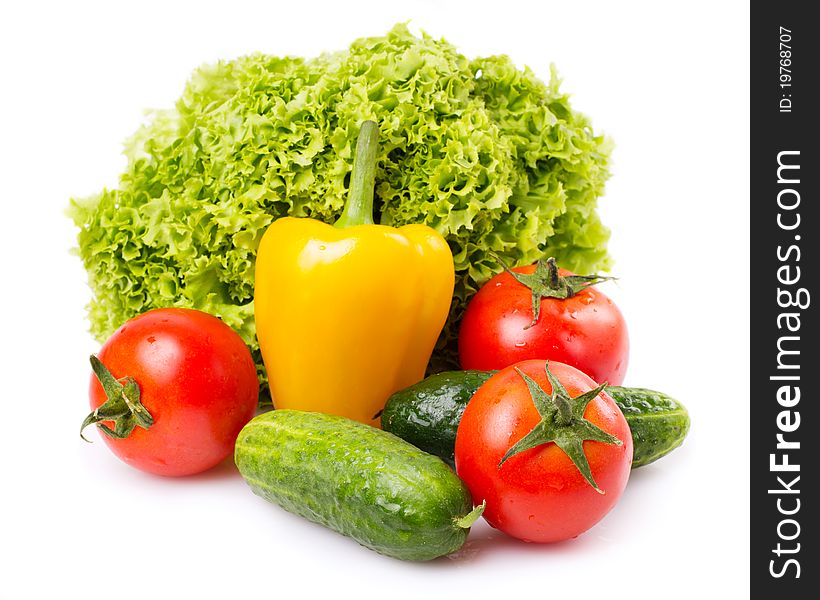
427, 415
360, 481
658, 422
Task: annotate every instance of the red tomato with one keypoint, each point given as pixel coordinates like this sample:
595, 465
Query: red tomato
586, 330
198, 381
539, 495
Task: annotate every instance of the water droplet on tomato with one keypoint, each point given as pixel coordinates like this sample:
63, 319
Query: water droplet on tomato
520, 344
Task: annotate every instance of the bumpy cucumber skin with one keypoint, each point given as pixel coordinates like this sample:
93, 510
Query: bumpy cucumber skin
427, 414
658, 422
357, 480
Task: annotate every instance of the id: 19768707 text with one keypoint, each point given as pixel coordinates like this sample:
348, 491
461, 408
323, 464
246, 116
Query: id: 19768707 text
785, 70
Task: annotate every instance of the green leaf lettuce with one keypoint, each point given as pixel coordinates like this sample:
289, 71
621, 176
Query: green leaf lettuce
485, 153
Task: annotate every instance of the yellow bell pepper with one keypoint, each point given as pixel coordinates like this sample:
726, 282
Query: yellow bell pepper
347, 314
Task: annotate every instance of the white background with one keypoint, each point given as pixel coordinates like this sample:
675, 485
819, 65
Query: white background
668, 82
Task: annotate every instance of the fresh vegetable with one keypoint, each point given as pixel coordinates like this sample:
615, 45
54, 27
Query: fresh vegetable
357, 480
347, 315
658, 422
427, 415
547, 450
541, 311
484, 153
171, 389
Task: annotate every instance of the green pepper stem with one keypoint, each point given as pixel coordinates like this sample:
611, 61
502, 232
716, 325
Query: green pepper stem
358, 209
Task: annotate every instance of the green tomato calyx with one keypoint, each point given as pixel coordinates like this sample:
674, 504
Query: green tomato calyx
562, 422
546, 282
123, 406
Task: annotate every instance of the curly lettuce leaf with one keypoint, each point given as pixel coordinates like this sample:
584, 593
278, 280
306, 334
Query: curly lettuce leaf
485, 153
